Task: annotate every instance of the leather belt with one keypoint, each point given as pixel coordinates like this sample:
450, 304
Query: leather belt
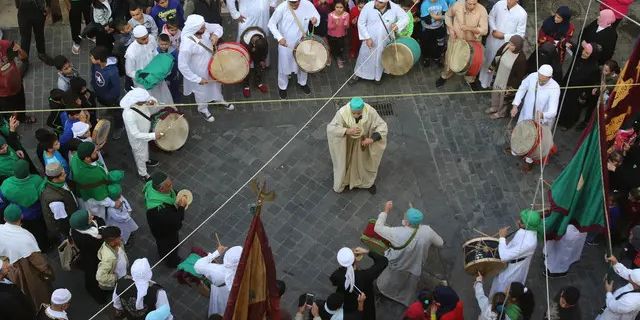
516, 260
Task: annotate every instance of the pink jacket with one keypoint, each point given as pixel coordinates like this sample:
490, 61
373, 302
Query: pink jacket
337, 26
621, 6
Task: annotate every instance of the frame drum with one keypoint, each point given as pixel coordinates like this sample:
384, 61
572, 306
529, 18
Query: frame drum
399, 56
481, 254
311, 54
466, 57
174, 126
230, 63
527, 138
101, 132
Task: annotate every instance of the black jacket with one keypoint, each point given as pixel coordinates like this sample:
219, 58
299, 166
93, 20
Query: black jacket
606, 38
14, 304
208, 9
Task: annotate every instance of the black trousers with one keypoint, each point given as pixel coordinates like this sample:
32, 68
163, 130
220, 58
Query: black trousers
118, 122
432, 43
336, 45
255, 76
78, 10
165, 244
30, 21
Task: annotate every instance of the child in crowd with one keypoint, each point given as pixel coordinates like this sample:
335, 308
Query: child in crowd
66, 71
171, 29
433, 33
173, 79
138, 17
258, 50
119, 213
324, 8
338, 23
355, 38
407, 6
123, 38
55, 103
78, 9
166, 10
100, 27
71, 101
105, 81
51, 152
87, 98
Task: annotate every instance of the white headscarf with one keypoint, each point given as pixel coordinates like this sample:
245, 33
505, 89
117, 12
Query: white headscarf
134, 96
346, 259
16, 243
141, 274
191, 26
230, 263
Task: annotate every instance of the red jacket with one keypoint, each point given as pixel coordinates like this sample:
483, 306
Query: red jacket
621, 6
10, 76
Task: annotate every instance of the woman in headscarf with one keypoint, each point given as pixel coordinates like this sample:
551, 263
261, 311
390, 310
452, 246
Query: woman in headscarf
144, 297
449, 306
557, 29
608, 76
24, 189
547, 53
509, 68
602, 32
85, 235
585, 74
521, 302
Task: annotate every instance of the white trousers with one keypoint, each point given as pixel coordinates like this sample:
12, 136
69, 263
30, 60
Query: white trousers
283, 79
141, 156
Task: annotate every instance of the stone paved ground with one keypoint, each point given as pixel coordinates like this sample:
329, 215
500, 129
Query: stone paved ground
443, 155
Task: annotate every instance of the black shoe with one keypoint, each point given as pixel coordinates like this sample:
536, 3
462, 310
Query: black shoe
553, 275
282, 94
580, 126
440, 82
426, 63
45, 58
475, 86
145, 178
372, 189
152, 163
306, 89
354, 80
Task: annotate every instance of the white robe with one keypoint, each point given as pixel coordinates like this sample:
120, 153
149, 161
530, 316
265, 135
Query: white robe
370, 26
121, 218
283, 25
193, 63
523, 245
546, 102
139, 56
400, 280
216, 274
625, 308
561, 254
255, 12
510, 22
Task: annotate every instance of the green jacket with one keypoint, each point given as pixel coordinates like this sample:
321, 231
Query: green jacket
91, 180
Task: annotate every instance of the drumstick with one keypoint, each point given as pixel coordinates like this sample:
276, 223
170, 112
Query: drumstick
482, 233
172, 122
217, 239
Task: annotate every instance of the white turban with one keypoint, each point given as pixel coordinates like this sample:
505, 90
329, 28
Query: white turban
192, 25
60, 296
546, 70
141, 274
230, 263
134, 96
346, 259
140, 31
79, 129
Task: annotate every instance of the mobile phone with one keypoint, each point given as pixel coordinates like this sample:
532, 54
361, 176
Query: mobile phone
309, 299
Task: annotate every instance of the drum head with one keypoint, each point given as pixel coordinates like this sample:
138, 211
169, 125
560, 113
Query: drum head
229, 65
248, 33
186, 193
397, 59
481, 254
311, 55
101, 132
459, 56
524, 137
176, 131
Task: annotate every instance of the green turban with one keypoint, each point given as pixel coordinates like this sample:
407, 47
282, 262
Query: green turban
79, 220
356, 104
21, 169
530, 219
115, 190
12, 213
85, 149
157, 178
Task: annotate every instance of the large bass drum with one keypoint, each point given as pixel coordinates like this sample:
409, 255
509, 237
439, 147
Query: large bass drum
481, 255
529, 137
399, 56
174, 126
466, 57
230, 63
311, 54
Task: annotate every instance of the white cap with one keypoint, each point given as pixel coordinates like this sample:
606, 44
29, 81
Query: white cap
79, 129
140, 31
546, 70
60, 296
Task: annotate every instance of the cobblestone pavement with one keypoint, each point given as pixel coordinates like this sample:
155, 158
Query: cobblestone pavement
444, 155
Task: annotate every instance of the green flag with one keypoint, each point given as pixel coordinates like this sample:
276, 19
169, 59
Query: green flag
576, 195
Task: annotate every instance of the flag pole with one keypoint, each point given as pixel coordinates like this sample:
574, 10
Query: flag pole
599, 120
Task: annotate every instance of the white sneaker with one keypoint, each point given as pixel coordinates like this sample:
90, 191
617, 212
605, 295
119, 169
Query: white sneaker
208, 116
75, 49
230, 107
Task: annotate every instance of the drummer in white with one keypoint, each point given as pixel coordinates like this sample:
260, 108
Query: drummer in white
507, 18
196, 47
377, 19
288, 24
250, 13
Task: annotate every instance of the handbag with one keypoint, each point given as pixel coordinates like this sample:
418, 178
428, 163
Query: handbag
377, 243
69, 254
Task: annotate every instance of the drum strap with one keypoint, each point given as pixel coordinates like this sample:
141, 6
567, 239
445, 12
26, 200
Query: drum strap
295, 17
384, 24
413, 235
141, 113
192, 38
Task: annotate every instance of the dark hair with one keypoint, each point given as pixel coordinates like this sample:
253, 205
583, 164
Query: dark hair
361, 1
260, 48
110, 232
613, 66
59, 61
73, 144
47, 140
164, 37
56, 94
335, 301
135, 7
523, 297
571, 295
425, 296
42, 133
497, 305
99, 53
172, 22
333, 7
282, 287
120, 24
76, 84
69, 100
